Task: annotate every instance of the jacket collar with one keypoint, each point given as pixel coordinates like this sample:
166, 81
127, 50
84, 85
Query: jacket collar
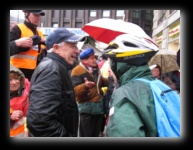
31, 26
135, 72
58, 58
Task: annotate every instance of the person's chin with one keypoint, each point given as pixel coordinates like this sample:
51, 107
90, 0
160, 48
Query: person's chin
70, 62
94, 65
14, 89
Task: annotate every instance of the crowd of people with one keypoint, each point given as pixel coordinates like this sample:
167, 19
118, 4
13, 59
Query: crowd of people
51, 96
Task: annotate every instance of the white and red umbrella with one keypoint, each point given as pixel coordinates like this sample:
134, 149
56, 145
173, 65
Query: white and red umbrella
106, 29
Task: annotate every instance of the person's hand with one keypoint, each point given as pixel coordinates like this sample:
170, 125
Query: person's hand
89, 84
42, 40
111, 74
25, 42
16, 115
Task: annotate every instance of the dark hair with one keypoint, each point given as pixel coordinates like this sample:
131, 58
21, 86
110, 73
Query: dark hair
104, 56
160, 69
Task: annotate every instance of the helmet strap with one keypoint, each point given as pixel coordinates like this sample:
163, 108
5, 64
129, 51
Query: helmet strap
27, 17
114, 67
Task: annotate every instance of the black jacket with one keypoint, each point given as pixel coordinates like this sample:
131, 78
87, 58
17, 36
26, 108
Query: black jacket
13, 48
53, 110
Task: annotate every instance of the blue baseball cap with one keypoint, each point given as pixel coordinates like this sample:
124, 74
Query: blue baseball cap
85, 53
62, 35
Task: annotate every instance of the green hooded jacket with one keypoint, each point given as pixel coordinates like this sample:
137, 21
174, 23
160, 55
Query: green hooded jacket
132, 112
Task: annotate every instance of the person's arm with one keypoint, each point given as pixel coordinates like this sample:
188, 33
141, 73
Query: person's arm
24, 42
14, 35
45, 102
82, 88
13, 48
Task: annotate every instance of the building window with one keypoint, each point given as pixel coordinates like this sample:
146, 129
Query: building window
174, 31
93, 13
161, 16
67, 13
55, 13
148, 15
78, 25
66, 24
159, 39
136, 13
120, 13
174, 35
148, 30
80, 13
106, 13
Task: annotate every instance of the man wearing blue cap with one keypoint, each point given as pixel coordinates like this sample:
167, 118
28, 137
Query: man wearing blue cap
87, 81
53, 110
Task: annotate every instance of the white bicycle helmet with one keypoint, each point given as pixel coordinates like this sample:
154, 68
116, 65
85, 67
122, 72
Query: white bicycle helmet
131, 49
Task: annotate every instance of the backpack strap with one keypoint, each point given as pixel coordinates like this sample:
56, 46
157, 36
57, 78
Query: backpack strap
162, 93
148, 81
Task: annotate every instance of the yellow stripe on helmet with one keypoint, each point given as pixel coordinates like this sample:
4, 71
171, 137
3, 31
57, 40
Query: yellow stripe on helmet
129, 53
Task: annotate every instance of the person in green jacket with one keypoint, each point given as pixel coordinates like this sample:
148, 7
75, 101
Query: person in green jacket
132, 111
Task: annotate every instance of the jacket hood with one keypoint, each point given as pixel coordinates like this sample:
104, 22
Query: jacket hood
125, 72
18, 71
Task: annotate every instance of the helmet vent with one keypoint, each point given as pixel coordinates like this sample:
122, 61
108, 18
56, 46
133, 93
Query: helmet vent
129, 44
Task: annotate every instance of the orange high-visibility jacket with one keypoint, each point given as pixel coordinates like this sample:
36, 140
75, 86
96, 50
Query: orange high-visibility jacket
27, 60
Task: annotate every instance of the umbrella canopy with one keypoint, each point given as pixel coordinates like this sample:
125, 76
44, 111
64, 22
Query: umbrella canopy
166, 59
106, 29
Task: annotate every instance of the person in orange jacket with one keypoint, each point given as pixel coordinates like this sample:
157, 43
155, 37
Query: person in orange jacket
19, 102
26, 58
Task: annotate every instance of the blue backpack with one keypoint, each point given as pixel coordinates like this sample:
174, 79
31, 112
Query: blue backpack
167, 108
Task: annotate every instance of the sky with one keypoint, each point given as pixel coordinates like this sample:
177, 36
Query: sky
14, 13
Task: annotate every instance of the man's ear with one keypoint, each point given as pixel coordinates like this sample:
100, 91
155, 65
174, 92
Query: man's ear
56, 49
84, 61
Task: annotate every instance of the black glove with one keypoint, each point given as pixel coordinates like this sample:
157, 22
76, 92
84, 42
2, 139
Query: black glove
42, 43
36, 39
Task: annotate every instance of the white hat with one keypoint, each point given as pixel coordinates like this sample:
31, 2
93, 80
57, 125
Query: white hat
152, 67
